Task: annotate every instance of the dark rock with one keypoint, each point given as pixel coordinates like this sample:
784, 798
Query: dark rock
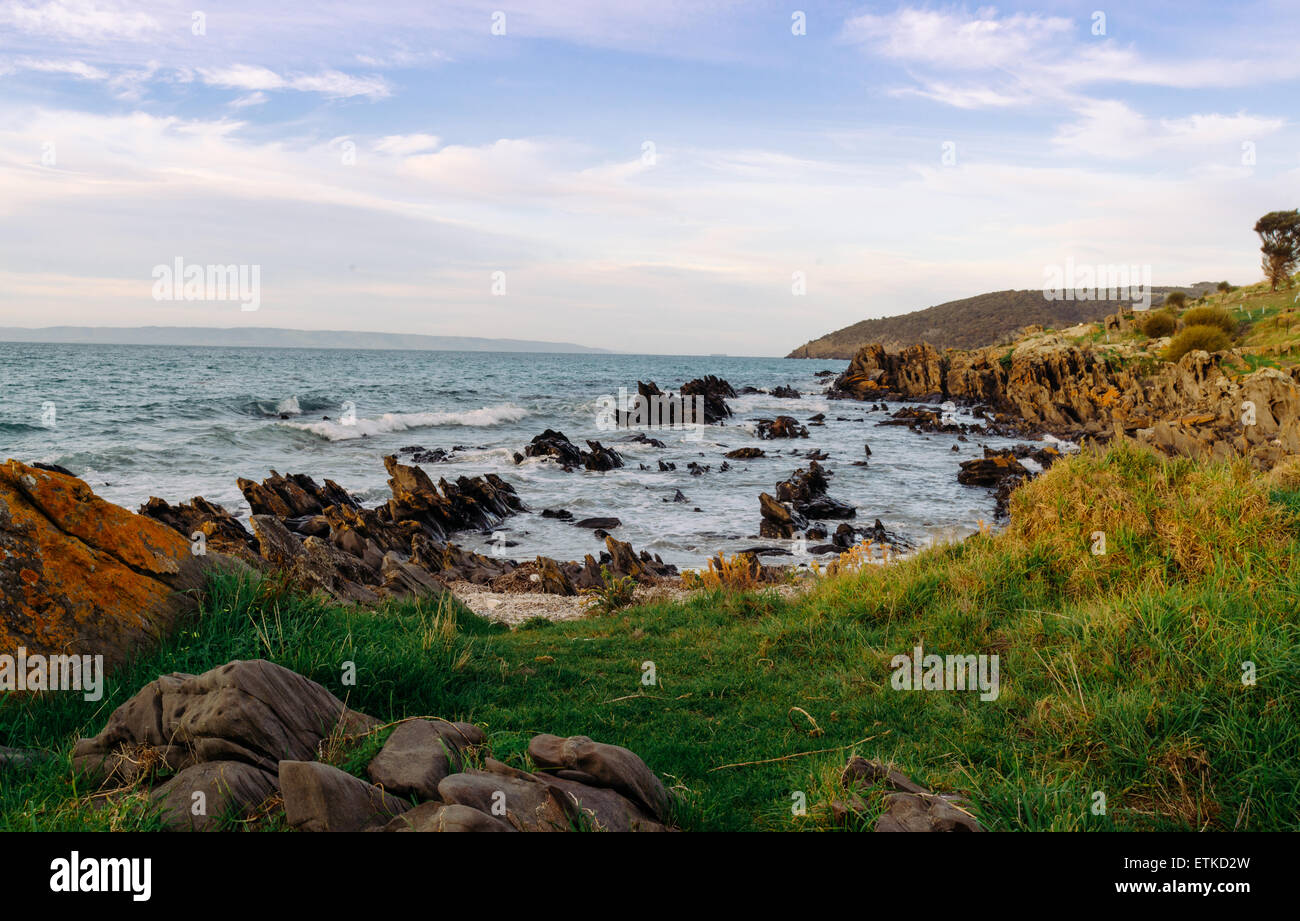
562, 514
780, 427
714, 390
786, 393
745, 453
602, 523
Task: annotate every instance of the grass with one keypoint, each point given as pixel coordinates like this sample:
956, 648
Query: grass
1121, 673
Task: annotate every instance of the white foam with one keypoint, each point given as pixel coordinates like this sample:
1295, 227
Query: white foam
289, 405
335, 430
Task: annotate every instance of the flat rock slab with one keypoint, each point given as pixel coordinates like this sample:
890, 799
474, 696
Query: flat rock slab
320, 797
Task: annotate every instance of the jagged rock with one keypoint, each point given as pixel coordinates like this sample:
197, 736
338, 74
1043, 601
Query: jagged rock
610, 766
293, 496
554, 444
601, 458
562, 514
805, 491
780, 427
714, 390
222, 531
252, 711
745, 453
450, 562
479, 503
230, 789
452, 817
321, 798
785, 393
79, 575
779, 519
991, 469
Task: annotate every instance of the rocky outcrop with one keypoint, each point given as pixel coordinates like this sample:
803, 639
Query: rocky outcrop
1193, 406
221, 530
715, 392
780, 427
569, 456
798, 499
82, 576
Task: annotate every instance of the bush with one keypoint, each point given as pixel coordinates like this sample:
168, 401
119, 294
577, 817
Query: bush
1211, 316
1159, 323
1204, 338
1176, 299
1224, 287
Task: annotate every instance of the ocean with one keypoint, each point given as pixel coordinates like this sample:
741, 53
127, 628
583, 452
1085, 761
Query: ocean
176, 422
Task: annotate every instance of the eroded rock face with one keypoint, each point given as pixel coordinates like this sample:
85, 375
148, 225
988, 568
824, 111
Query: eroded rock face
1192, 406
79, 575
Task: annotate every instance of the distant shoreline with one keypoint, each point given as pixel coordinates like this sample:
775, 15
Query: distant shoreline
278, 337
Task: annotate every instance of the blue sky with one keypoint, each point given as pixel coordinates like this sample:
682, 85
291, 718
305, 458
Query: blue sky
649, 176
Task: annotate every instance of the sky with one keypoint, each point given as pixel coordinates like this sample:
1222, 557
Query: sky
657, 177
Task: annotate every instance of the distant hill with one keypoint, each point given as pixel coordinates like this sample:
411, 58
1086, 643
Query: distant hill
972, 322
271, 337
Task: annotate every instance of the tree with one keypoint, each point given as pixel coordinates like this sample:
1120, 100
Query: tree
1280, 233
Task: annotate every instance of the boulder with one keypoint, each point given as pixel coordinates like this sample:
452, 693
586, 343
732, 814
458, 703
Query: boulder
600, 808
250, 711
453, 817
520, 799
715, 392
79, 575
418, 755
610, 766
319, 797
229, 790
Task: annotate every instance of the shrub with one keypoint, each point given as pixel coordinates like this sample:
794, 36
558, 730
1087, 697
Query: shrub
1176, 299
741, 573
615, 592
1211, 316
1224, 287
1204, 338
1159, 323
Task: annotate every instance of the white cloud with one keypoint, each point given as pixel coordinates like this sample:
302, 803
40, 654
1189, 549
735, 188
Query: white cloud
332, 83
1111, 129
403, 145
77, 19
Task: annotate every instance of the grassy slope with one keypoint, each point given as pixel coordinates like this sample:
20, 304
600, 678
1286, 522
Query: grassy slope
969, 323
1120, 673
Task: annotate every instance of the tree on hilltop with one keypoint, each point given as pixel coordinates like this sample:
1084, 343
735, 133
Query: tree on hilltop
1280, 233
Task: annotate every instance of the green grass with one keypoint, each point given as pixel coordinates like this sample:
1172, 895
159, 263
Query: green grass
1120, 673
